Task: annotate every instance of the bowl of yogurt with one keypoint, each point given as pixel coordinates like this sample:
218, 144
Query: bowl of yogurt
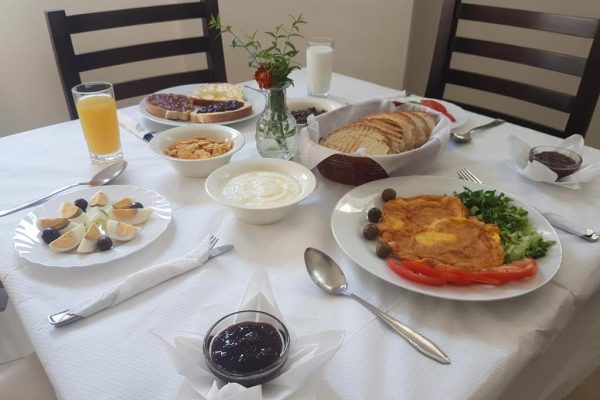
261, 192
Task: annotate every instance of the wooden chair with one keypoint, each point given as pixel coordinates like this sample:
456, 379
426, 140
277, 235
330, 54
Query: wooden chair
580, 107
70, 65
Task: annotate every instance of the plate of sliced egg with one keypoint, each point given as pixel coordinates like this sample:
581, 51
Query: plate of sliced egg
92, 226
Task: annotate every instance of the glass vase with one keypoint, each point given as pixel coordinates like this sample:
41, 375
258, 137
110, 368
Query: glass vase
276, 135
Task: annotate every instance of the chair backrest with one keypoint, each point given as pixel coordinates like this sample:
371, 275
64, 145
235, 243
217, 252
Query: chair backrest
70, 65
579, 107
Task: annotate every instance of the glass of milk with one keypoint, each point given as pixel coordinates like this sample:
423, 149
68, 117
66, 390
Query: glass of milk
319, 65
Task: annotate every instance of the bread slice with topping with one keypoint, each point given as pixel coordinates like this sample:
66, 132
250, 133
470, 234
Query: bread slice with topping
170, 106
212, 93
222, 111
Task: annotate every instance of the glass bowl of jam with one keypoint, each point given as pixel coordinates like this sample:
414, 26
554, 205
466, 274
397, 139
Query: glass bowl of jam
560, 160
246, 347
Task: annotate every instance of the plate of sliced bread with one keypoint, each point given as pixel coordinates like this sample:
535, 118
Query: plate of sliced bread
203, 103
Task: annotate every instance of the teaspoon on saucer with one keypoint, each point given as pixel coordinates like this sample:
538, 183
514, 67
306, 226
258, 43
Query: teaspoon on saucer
329, 277
103, 177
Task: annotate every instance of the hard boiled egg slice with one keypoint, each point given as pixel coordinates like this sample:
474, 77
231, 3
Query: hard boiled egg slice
132, 216
72, 212
121, 230
100, 199
68, 241
88, 243
55, 223
68, 228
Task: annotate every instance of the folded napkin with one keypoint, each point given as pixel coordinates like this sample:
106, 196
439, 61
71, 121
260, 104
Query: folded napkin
131, 125
145, 279
538, 172
310, 348
312, 153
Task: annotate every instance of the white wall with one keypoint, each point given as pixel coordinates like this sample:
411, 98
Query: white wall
423, 39
371, 40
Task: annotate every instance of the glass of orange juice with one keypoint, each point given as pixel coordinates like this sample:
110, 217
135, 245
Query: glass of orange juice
97, 110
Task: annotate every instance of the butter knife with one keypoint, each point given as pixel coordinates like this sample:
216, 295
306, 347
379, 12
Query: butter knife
65, 317
571, 227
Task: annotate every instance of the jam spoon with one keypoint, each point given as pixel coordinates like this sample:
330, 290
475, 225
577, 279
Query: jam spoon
330, 278
103, 177
466, 137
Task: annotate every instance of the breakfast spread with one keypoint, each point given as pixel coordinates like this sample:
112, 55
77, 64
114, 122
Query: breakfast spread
382, 133
262, 188
246, 347
209, 103
301, 115
198, 148
96, 229
562, 161
472, 237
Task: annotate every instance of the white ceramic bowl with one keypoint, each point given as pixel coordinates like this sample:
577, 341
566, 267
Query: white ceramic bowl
261, 215
200, 168
303, 103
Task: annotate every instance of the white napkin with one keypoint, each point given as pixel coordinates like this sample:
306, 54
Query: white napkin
538, 172
310, 348
131, 125
413, 161
145, 279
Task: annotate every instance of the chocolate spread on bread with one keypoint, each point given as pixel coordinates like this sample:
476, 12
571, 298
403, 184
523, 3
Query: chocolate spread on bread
228, 105
172, 102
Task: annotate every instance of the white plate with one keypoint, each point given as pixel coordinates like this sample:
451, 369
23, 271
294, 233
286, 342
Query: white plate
252, 96
350, 216
30, 246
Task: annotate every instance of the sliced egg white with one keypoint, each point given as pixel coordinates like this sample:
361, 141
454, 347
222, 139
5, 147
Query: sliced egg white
121, 230
69, 240
68, 228
88, 243
134, 216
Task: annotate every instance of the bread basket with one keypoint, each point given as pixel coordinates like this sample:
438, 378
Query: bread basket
357, 169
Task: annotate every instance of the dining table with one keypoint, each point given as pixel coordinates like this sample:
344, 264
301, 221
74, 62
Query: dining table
535, 346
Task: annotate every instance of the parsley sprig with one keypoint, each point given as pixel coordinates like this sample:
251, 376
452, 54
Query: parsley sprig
518, 238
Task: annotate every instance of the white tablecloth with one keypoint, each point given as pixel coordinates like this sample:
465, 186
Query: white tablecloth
533, 346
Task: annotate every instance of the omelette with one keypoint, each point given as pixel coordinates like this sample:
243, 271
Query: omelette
436, 230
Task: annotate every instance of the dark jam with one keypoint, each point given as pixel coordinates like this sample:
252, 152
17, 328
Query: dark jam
246, 347
169, 101
560, 163
228, 105
302, 115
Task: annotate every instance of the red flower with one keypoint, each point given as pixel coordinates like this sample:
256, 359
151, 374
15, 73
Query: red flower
264, 77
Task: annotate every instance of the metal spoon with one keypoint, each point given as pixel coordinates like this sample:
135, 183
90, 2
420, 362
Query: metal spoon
103, 177
328, 276
466, 137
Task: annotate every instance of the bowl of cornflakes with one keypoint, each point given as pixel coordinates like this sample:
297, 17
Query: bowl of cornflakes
196, 151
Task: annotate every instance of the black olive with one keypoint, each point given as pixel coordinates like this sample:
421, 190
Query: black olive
137, 204
383, 250
49, 235
81, 203
370, 231
104, 243
374, 214
388, 194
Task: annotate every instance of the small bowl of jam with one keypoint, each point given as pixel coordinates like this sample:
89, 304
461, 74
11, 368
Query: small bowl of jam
560, 160
246, 347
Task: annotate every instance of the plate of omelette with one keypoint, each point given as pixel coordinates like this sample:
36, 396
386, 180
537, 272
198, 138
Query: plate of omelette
429, 198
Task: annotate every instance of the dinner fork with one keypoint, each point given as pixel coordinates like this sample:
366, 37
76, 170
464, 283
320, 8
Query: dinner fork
555, 220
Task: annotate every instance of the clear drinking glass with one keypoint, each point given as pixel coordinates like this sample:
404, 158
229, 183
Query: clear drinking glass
97, 110
319, 65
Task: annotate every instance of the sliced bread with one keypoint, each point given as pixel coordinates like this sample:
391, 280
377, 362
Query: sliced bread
170, 106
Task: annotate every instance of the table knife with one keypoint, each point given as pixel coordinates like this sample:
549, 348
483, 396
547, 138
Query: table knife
65, 317
571, 227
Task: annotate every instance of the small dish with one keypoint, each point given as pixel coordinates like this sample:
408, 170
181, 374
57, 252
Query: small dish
560, 160
267, 213
197, 168
263, 356
304, 103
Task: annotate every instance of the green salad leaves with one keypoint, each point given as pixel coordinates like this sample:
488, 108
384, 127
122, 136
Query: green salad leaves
518, 238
